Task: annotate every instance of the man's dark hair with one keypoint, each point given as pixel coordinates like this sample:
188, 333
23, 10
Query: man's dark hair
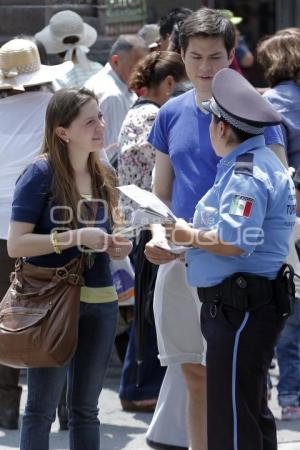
174, 17
207, 23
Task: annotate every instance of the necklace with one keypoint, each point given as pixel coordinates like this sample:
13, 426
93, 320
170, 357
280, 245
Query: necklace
90, 259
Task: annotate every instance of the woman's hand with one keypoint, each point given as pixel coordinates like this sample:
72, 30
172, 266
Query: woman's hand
156, 254
181, 233
119, 247
94, 238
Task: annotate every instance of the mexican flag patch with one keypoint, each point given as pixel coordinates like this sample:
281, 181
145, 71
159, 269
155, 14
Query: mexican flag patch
241, 205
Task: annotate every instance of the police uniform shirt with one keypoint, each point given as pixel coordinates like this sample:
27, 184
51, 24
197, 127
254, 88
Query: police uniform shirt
253, 212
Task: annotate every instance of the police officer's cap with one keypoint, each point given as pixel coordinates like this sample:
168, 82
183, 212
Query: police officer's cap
239, 104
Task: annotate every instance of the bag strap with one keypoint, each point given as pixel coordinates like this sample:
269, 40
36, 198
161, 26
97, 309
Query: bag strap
61, 274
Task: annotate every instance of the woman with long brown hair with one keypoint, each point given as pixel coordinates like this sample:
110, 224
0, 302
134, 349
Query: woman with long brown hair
23, 101
63, 204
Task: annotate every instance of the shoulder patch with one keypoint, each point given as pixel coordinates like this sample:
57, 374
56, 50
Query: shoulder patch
244, 164
241, 205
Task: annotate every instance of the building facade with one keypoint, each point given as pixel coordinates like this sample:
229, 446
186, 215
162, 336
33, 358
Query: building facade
112, 17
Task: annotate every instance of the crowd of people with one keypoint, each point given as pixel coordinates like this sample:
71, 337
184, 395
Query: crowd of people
170, 112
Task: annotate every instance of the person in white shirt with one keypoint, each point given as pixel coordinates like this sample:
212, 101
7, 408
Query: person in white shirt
110, 86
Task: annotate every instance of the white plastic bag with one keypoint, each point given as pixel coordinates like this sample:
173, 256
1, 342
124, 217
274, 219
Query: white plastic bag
123, 279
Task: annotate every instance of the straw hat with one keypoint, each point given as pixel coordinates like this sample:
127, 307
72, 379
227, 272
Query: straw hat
20, 66
63, 25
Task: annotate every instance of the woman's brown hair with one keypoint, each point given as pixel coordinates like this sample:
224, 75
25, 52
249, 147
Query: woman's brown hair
279, 56
155, 67
63, 108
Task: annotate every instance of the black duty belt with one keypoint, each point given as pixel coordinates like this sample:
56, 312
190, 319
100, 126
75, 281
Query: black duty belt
245, 291
242, 291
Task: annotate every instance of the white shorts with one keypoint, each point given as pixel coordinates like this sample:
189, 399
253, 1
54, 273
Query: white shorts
177, 317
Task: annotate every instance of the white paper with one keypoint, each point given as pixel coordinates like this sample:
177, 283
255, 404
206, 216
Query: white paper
128, 232
147, 201
144, 217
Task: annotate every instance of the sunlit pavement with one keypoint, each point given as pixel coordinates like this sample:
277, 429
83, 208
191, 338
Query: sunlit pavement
122, 430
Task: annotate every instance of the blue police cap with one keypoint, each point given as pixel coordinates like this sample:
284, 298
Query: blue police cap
239, 103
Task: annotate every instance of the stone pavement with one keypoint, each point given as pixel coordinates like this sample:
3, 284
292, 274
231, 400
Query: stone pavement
127, 431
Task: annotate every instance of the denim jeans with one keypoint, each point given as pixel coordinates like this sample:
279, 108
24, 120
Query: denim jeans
86, 371
288, 354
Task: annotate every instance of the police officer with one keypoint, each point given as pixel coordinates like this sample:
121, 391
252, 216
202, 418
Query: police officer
240, 235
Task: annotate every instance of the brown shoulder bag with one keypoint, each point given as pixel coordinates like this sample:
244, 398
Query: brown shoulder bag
39, 315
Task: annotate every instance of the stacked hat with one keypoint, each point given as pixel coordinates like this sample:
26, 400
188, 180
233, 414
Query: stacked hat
238, 103
20, 66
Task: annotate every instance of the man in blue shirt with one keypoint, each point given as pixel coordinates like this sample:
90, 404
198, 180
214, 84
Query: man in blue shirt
241, 228
185, 170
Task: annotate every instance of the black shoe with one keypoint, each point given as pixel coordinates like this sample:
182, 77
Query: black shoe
9, 423
63, 417
161, 446
131, 406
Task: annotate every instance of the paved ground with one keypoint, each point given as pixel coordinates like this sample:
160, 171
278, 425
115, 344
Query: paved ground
126, 431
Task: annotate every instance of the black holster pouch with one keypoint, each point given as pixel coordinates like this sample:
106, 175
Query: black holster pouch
284, 291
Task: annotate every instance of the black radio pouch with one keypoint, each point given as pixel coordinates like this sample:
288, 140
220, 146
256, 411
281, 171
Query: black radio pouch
284, 291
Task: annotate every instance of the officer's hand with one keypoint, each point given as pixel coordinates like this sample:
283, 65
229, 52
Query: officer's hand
180, 233
157, 255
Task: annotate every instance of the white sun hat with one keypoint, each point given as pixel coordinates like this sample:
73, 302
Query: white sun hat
67, 32
20, 66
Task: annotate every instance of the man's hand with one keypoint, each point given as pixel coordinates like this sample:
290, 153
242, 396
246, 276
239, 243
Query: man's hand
157, 255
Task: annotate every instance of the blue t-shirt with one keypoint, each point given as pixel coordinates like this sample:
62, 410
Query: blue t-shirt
254, 213
285, 98
32, 204
181, 130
